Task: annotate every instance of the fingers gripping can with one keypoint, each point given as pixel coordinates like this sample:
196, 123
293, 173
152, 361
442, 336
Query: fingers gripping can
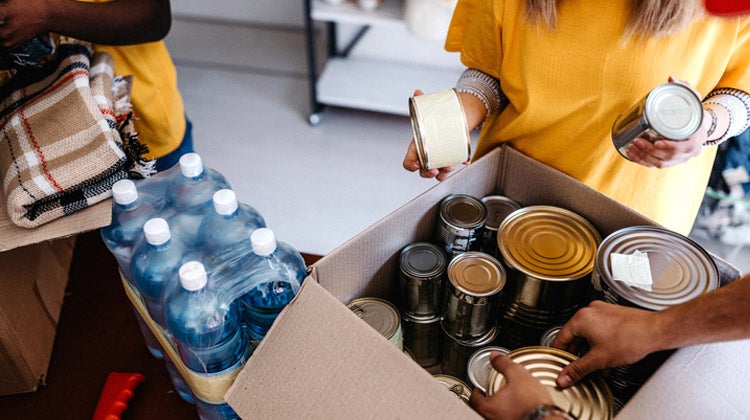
671, 110
441, 131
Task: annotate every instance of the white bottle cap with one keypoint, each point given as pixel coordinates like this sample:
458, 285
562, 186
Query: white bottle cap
191, 165
263, 241
225, 202
193, 276
157, 231
124, 192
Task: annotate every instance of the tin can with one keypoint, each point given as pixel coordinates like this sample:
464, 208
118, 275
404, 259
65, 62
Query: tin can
479, 366
671, 110
423, 337
440, 128
498, 208
589, 399
472, 291
549, 253
422, 269
680, 270
549, 336
461, 220
455, 385
456, 352
382, 316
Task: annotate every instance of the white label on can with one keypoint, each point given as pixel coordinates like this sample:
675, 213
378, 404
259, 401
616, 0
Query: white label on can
632, 269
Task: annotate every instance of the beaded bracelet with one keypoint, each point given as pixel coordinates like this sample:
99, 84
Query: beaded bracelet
724, 136
483, 86
714, 122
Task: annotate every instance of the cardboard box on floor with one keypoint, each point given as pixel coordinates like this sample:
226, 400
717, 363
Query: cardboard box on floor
34, 274
320, 361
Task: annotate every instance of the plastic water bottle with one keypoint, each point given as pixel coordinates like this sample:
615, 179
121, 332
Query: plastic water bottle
275, 271
155, 265
190, 195
206, 331
229, 225
129, 213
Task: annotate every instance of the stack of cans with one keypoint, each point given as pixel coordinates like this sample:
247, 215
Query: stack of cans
462, 218
680, 270
472, 292
549, 253
422, 270
498, 208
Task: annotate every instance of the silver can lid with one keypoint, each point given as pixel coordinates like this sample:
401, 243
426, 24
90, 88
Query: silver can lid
673, 110
548, 242
549, 336
479, 367
498, 208
379, 314
589, 399
422, 260
463, 211
455, 385
680, 268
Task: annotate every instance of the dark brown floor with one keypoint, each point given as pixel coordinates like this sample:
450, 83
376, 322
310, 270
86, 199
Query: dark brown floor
98, 334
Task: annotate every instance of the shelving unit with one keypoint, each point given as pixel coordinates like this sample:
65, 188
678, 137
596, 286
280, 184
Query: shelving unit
368, 73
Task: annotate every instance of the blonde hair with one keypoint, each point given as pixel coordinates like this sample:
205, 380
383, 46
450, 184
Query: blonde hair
648, 18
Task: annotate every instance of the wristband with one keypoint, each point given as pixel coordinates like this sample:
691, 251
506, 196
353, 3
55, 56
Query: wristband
542, 411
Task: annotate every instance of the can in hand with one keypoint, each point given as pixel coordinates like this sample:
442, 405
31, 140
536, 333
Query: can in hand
672, 111
441, 131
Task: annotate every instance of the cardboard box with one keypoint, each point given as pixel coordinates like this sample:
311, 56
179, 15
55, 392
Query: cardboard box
320, 361
35, 264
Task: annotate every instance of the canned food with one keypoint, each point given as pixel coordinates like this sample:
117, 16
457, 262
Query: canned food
381, 315
422, 268
455, 385
479, 366
498, 208
589, 398
475, 281
680, 269
441, 131
549, 252
423, 338
549, 336
461, 220
671, 110
456, 352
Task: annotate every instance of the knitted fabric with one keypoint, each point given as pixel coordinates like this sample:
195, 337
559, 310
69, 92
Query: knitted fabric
60, 145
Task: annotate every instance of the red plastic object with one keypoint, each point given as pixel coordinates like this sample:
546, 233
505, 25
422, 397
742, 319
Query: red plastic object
118, 390
727, 7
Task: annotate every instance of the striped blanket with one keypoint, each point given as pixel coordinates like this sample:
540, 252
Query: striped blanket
67, 135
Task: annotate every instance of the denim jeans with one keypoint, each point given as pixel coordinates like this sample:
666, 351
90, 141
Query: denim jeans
186, 146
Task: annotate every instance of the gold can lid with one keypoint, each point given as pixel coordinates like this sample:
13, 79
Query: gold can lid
455, 385
463, 211
498, 208
476, 274
548, 242
379, 314
590, 398
680, 269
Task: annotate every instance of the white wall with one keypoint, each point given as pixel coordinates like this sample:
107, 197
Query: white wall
269, 12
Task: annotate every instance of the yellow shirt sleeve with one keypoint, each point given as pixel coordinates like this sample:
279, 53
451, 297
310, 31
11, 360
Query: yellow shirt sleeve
566, 87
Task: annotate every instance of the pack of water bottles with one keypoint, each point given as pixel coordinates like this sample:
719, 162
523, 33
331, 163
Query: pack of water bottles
207, 278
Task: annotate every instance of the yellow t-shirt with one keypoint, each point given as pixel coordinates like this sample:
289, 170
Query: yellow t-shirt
155, 97
567, 86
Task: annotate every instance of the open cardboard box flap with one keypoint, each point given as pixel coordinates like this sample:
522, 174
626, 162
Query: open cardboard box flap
320, 361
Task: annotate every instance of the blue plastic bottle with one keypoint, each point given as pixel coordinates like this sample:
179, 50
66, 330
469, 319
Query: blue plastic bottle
154, 265
129, 213
189, 195
229, 225
276, 270
206, 331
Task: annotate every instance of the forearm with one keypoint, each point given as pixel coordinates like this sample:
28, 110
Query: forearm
721, 315
118, 22
481, 96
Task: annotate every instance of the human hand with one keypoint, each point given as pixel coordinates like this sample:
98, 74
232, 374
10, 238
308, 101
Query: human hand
615, 335
22, 20
521, 394
663, 152
411, 160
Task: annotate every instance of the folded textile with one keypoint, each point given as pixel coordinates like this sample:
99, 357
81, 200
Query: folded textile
60, 146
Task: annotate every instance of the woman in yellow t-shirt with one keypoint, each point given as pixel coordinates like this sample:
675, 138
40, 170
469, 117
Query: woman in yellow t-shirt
550, 78
132, 32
